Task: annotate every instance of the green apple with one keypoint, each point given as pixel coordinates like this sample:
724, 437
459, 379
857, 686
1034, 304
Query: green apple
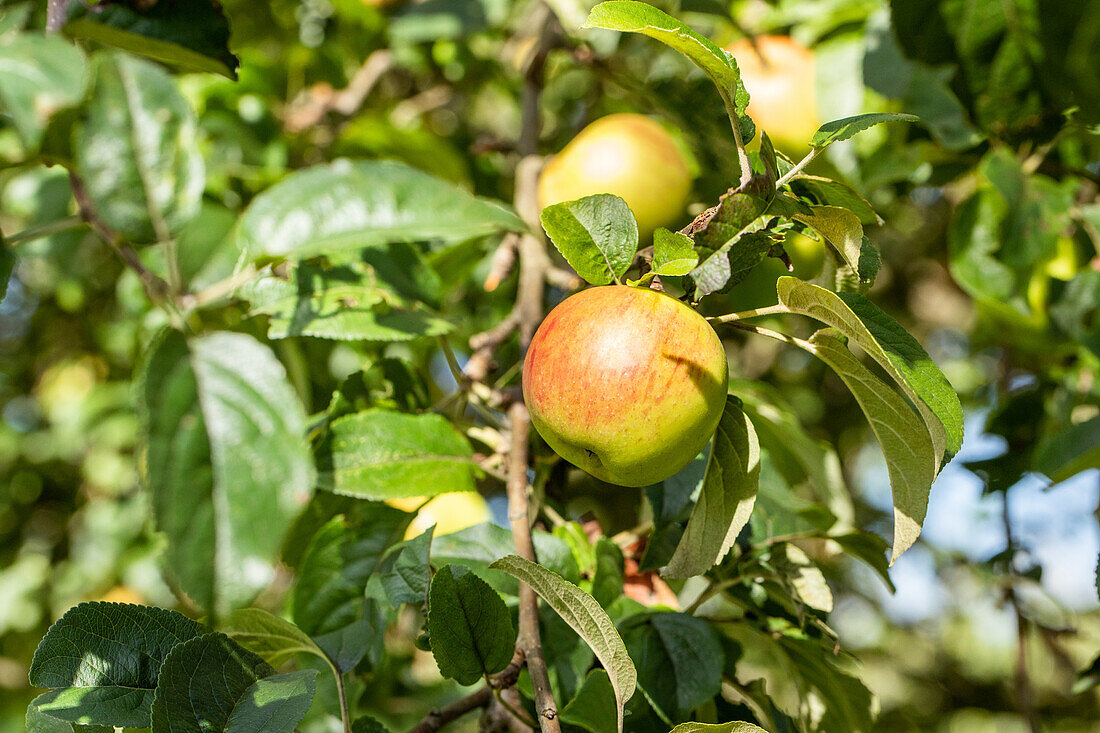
625, 383
778, 73
630, 156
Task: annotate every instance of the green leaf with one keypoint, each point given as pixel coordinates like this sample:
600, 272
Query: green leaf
871, 549
226, 461
273, 638
328, 600
1077, 312
732, 241
910, 456
367, 724
405, 571
607, 581
804, 576
192, 35
733, 727
679, 661
673, 253
593, 707
802, 680
38, 722
39, 75
638, 17
383, 454
843, 231
102, 661
345, 302
213, 685
137, 150
793, 452
583, 614
828, 192
894, 349
837, 130
468, 625
348, 205
727, 498
1069, 451
205, 248
597, 236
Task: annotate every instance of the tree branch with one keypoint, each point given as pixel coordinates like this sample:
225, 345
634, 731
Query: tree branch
436, 719
534, 264
528, 638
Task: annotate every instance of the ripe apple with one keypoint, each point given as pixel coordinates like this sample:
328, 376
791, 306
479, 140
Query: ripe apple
628, 155
778, 73
625, 383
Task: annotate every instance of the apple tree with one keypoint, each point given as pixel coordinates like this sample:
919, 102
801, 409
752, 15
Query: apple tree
339, 321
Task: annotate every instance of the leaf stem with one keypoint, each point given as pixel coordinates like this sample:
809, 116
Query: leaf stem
45, 230
515, 712
342, 694
798, 167
771, 310
462, 382
742, 154
794, 341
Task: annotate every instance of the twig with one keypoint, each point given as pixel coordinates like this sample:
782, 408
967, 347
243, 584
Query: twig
797, 167
155, 287
55, 14
504, 258
346, 101
1024, 698
436, 719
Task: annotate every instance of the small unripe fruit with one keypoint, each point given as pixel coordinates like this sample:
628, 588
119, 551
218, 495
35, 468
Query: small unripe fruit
778, 73
625, 383
628, 155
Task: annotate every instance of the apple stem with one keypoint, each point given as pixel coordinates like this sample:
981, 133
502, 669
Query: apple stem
798, 167
772, 310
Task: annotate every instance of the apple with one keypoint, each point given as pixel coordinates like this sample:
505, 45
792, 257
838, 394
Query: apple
625, 383
778, 73
630, 156
449, 513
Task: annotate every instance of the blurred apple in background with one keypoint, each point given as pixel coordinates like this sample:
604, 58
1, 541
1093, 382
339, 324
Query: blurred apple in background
448, 512
628, 155
778, 73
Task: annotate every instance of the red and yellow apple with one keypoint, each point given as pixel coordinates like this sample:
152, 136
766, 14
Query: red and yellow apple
778, 73
628, 155
625, 383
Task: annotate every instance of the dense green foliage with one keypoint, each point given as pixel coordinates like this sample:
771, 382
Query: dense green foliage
268, 273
